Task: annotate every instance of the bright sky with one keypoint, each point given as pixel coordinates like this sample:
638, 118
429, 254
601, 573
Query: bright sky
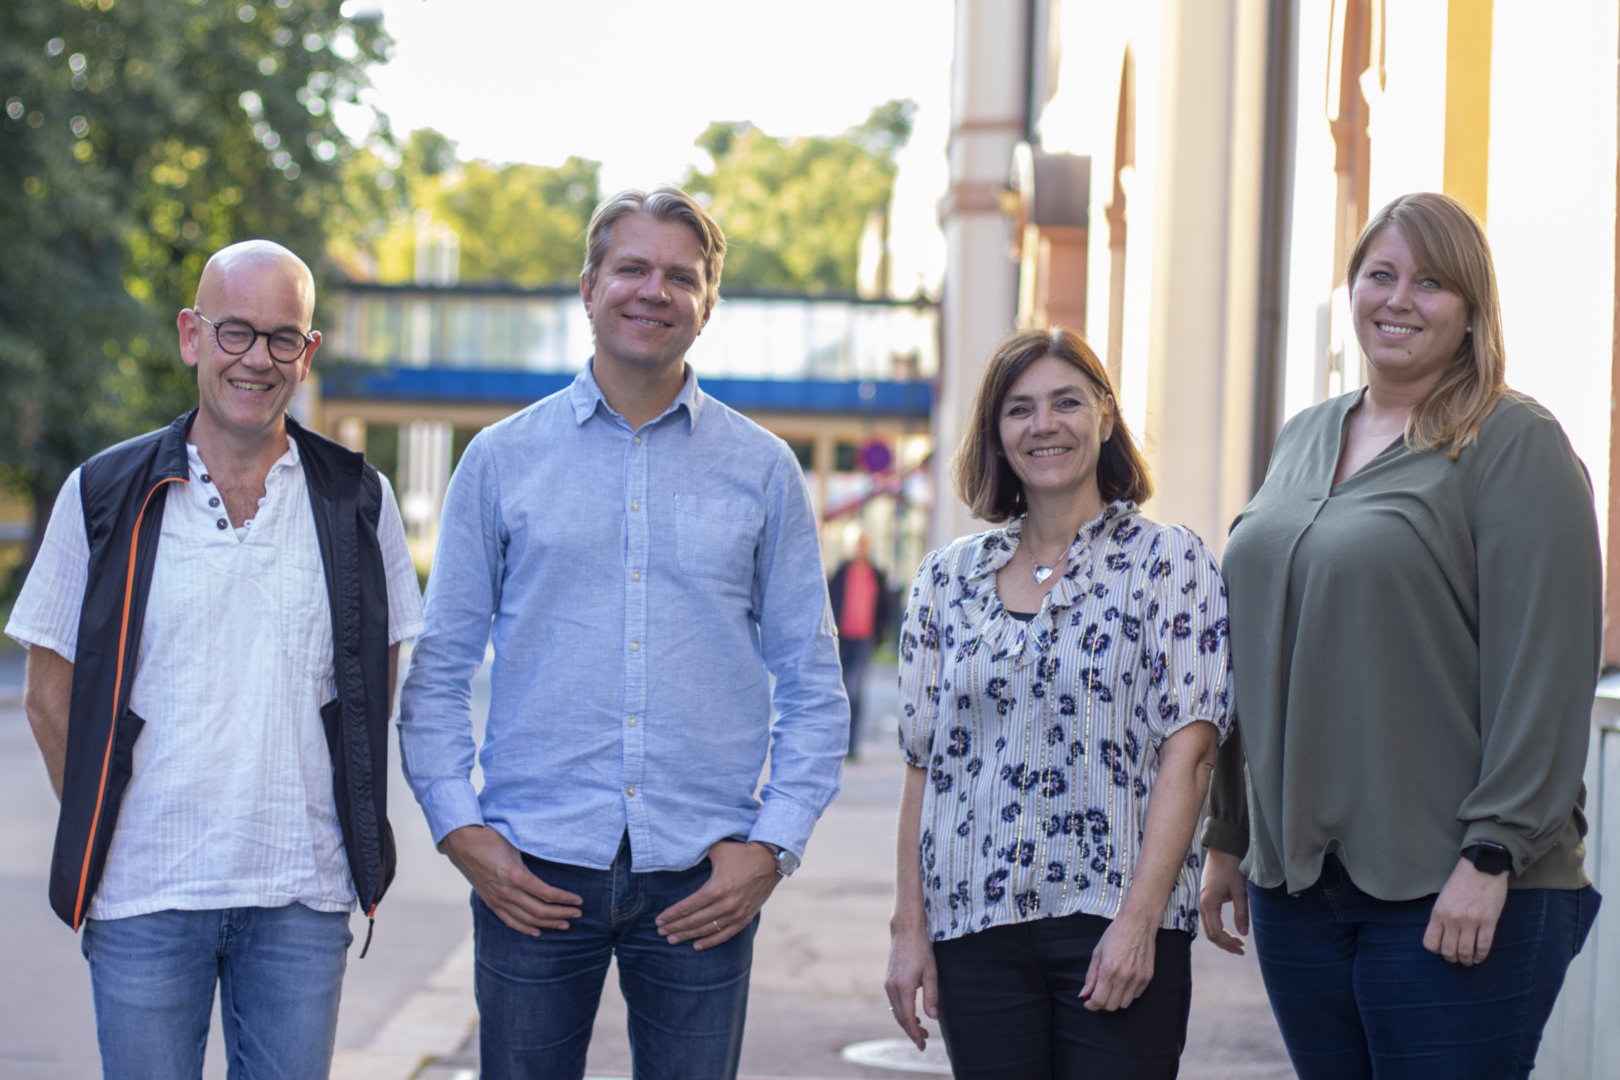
632, 83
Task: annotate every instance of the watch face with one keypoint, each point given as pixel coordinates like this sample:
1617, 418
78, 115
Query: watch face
786, 863
1492, 859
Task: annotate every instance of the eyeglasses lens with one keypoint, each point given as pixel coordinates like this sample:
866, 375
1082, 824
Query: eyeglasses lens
237, 337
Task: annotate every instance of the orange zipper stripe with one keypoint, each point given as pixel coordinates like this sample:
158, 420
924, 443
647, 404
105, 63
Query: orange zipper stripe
118, 686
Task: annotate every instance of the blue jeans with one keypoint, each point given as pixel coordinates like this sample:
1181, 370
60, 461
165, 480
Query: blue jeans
280, 973
537, 997
1358, 997
853, 655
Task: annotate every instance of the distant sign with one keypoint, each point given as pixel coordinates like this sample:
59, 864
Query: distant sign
875, 456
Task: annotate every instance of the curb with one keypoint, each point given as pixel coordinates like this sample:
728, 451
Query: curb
433, 1023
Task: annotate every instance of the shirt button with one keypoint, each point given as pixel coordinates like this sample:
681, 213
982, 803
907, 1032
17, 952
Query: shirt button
630, 790
635, 575
221, 523
632, 721
207, 479
214, 501
638, 440
635, 646
635, 506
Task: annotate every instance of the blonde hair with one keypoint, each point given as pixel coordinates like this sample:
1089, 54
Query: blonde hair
1449, 242
979, 469
666, 204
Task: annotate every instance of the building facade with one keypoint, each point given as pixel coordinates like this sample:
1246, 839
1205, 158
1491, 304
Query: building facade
1233, 151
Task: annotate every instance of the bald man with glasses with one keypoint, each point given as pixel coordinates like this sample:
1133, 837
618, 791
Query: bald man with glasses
213, 627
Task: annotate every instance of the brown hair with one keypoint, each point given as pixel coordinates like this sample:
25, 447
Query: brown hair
1449, 242
983, 478
667, 204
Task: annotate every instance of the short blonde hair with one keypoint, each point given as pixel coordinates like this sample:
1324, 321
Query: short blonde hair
979, 468
665, 204
1449, 242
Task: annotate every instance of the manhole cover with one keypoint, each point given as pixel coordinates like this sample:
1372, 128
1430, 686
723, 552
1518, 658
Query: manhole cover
899, 1054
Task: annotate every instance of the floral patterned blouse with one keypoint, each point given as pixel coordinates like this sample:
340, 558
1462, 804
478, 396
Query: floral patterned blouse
1041, 738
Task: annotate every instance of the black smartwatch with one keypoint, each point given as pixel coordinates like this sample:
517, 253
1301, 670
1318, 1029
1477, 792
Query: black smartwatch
1489, 858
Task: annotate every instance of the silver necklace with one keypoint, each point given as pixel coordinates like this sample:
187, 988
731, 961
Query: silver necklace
1043, 572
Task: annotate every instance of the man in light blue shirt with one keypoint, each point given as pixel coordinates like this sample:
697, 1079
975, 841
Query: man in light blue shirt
644, 559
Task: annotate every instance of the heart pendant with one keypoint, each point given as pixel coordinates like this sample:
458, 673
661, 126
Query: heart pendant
1041, 574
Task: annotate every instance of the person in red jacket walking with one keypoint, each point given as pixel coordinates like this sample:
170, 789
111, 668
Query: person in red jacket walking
860, 606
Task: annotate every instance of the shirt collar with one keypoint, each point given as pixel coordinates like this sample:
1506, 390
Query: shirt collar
286, 461
585, 396
981, 602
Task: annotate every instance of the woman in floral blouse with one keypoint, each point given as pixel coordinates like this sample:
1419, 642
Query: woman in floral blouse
1064, 681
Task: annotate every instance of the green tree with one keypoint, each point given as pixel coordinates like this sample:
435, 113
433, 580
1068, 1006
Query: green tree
137, 137
793, 210
517, 223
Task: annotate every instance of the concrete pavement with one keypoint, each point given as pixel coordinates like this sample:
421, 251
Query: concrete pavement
819, 958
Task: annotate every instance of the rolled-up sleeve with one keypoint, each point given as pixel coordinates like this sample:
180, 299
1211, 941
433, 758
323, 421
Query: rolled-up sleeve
922, 660
1192, 627
1540, 640
464, 590
1227, 827
799, 645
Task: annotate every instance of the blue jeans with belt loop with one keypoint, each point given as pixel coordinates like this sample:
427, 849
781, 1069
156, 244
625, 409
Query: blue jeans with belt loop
1358, 997
537, 997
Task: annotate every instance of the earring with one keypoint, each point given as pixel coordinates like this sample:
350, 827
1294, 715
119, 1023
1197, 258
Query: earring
1468, 329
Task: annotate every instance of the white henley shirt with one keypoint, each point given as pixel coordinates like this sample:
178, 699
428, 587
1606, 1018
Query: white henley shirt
230, 800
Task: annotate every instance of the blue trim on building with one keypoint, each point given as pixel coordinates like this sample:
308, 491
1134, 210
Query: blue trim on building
486, 386
570, 291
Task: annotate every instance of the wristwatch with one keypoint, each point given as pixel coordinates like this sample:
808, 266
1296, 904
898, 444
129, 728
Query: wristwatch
786, 861
1489, 858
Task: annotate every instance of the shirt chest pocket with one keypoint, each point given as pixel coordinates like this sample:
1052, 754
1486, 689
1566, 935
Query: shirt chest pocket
716, 538
306, 620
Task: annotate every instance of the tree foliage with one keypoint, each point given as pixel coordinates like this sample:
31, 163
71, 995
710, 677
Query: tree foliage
138, 136
793, 210
517, 223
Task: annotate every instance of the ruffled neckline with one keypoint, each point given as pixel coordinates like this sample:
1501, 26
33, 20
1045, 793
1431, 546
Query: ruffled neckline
989, 625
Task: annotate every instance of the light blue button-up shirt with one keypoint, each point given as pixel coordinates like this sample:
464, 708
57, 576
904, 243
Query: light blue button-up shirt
639, 587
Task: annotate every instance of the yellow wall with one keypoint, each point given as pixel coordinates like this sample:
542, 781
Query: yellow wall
1468, 102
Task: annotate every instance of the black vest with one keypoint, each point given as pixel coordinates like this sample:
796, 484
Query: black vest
123, 490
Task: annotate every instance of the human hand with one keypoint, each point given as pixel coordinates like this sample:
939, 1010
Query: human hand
911, 967
1463, 923
1224, 883
741, 879
1121, 964
495, 869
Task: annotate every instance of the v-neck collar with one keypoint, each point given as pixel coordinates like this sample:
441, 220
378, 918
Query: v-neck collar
1353, 401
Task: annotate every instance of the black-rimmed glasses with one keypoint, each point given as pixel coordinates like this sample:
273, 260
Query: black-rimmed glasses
236, 337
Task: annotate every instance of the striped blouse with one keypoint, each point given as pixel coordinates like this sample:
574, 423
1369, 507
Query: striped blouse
1041, 738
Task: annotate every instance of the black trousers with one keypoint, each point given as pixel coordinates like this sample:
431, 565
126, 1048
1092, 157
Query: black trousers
1010, 1007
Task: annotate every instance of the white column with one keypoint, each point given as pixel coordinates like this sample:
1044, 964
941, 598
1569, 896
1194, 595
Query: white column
981, 280
1198, 404
424, 451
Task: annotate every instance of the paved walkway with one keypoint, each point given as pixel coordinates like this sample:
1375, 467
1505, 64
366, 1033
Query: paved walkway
819, 958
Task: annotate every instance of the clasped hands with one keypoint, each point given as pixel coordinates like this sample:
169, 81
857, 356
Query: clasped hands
1461, 927
742, 878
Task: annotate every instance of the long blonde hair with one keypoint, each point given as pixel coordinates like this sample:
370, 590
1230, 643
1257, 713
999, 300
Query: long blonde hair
1449, 242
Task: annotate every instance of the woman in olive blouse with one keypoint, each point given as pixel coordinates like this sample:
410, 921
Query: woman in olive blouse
1063, 683
1415, 625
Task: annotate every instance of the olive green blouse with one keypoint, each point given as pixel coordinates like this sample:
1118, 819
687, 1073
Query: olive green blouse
1414, 652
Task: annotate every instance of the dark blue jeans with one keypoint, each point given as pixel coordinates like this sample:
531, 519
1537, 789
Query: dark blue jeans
853, 655
537, 997
1358, 997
